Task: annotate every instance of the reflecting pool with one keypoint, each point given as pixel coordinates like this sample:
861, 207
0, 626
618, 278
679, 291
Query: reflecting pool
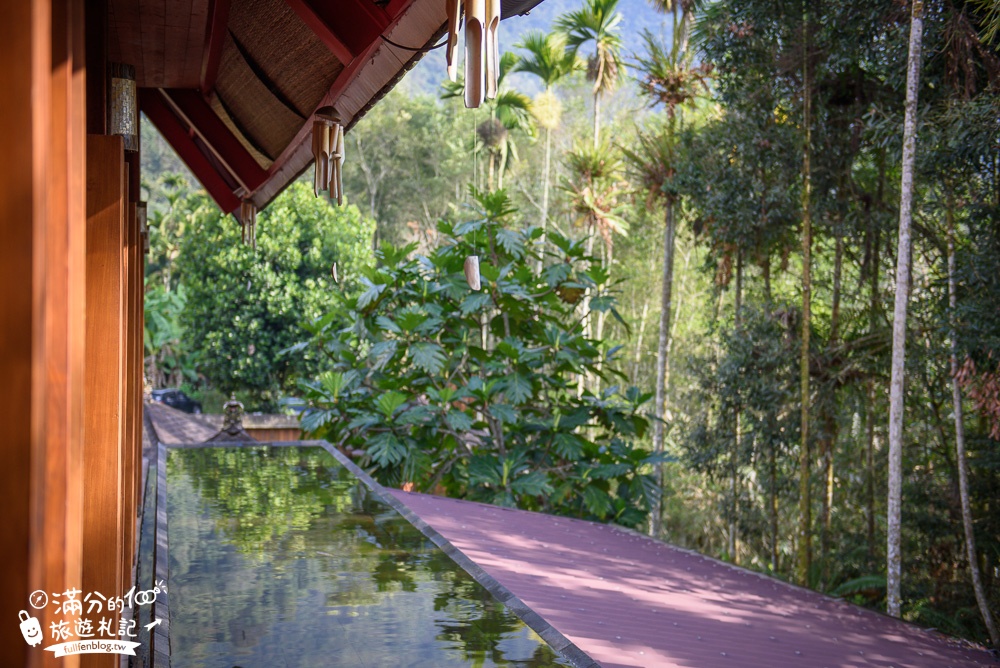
279, 556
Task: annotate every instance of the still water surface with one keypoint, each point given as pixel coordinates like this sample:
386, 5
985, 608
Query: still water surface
280, 557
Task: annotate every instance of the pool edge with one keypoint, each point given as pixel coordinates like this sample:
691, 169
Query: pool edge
160, 640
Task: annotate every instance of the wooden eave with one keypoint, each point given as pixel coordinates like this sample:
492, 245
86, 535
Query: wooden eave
233, 85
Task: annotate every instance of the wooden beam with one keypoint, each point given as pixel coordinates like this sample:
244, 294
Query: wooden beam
102, 469
175, 132
215, 37
192, 108
347, 27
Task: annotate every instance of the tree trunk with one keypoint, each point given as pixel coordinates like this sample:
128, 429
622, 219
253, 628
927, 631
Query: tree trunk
597, 119
893, 557
546, 170
607, 259
870, 465
734, 454
638, 343
961, 463
661, 355
829, 445
773, 505
829, 416
502, 166
804, 548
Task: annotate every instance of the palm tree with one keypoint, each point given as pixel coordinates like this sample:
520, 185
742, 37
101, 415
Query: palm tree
509, 111
594, 187
670, 80
596, 22
549, 60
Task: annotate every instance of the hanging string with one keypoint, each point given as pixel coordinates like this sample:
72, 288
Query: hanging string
475, 167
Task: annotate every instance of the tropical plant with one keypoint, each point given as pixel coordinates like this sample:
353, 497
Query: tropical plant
668, 79
510, 112
597, 22
549, 60
471, 392
169, 362
594, 185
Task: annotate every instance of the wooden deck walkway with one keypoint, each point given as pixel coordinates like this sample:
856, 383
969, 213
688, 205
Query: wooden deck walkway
630, 601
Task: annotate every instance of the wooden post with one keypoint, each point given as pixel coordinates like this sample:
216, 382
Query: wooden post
41, 311
104, 434
24, 39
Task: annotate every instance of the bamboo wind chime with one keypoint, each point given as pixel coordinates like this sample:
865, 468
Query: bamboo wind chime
482, 48
482, 69
328, 150
248, 222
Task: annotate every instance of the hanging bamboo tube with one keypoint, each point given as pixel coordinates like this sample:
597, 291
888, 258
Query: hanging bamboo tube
475, 52
492, 47
248, 223
472, 272
321, 154
328, 150
337, 181
454, 24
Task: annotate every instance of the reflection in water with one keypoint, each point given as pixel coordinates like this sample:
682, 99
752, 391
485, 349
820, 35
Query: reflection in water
281, 557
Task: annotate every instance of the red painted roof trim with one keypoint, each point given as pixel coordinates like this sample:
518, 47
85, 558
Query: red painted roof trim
192, 108
153, 104
214, 38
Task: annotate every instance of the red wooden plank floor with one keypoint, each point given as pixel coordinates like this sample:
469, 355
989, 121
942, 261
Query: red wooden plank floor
630, 601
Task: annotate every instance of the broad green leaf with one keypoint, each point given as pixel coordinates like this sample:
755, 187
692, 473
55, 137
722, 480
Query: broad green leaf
517, 388
608, 471
371, 293
535, 483
458, 421
483, 470
511, 241
388, 402
597, 501
568, 445
388, 325
505, 413
382, 353
475, 302
385, 449
428, 356
409, 320
489, 271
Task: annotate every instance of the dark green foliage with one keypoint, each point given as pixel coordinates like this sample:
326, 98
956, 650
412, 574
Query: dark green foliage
245, 307
476, 392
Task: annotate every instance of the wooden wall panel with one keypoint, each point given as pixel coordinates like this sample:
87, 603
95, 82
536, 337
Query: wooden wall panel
22, 224
103, 533
76, 261
42, 259
59, 541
